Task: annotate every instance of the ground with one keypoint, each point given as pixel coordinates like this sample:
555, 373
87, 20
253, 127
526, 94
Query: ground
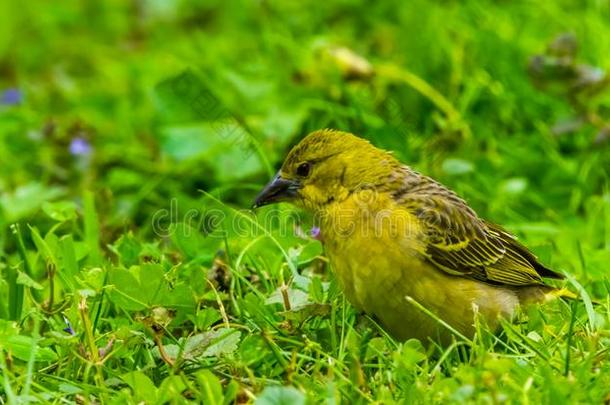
134, 136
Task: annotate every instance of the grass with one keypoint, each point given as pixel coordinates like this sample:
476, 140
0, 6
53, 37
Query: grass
135, 135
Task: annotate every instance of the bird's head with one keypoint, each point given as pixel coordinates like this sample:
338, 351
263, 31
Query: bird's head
328, 166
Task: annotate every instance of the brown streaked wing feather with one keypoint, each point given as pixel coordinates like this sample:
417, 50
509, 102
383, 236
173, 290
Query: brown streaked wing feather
520, 251
460, 243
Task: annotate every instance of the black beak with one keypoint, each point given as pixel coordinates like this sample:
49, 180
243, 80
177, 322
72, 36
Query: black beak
277, 190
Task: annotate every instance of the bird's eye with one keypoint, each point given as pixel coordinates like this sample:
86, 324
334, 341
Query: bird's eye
304, 169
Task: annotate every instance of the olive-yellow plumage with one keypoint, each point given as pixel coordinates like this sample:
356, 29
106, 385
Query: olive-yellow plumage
392, 233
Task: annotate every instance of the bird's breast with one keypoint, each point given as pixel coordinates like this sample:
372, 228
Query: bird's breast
368, 243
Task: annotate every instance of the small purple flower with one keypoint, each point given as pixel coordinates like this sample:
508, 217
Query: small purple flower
316, 233
80, 147
103, 351
11, 97
68, 328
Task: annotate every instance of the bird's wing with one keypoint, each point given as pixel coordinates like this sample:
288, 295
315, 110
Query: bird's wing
460, 243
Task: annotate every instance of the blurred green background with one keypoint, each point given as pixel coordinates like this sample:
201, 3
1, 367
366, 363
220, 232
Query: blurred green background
123, 123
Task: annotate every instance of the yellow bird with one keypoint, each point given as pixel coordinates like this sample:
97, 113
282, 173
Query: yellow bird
394, 236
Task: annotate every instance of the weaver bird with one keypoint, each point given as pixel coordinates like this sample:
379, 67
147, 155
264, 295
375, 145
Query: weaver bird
394, 236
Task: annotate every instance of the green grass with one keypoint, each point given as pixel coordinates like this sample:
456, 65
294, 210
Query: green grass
146, 128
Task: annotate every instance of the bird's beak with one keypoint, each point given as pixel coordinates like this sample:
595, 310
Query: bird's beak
278, 189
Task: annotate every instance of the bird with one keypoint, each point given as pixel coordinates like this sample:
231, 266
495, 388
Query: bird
404, 248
